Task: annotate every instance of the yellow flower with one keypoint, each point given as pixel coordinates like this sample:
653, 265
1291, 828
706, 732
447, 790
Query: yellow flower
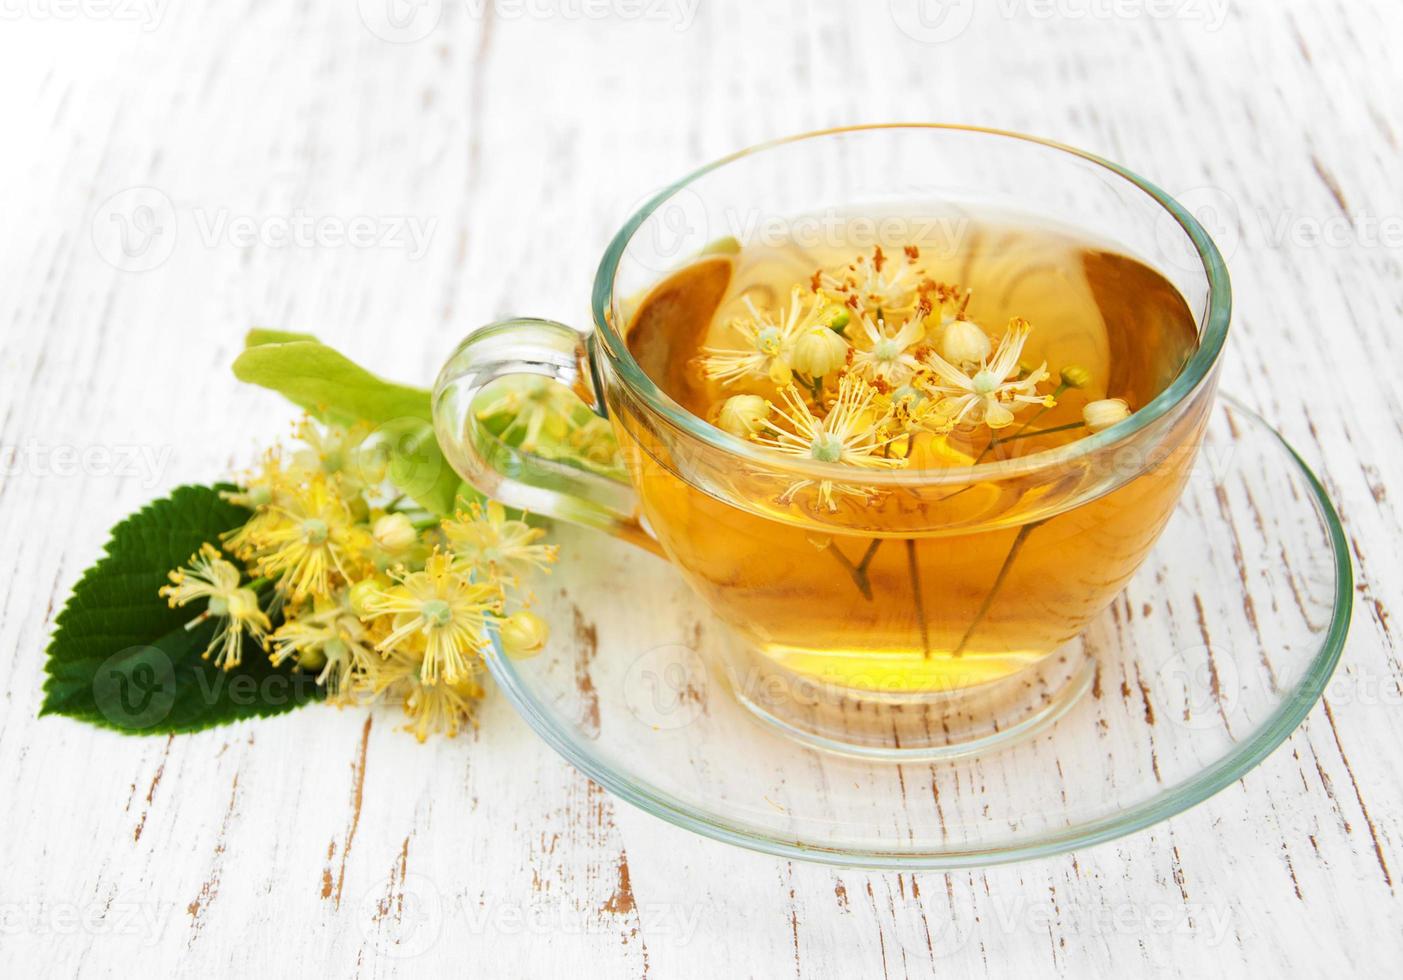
343, 455
329, 636
993, 390
523, 634
849, 433
965, 343
769, 343
742, 415
1075, 376
440, 708
443, 606
891, 355
306, 541
260, 486
394, 533
1104, 413
593, 442
433, 707
818, 351
877, 282
537, 409
908, 410
211, 577
507, 547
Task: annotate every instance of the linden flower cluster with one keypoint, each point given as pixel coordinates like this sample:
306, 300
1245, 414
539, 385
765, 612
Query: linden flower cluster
381, 599
869, 356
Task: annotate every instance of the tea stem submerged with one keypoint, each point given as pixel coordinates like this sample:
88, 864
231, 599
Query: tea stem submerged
916, 594
999, 579
858, 572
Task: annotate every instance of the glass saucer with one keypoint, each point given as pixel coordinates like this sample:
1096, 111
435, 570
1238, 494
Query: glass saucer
1209, 660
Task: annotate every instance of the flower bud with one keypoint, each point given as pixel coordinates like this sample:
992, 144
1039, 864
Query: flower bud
1075, 376
523, 634
819, 351
741, 415
395, 533
835, 316
965, 343
313, 658
361, 591
1105, 413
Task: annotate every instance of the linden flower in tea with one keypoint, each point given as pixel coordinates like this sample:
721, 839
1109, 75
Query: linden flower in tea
890, 354
858, 382
849, 433
991, 393
875, 282
769, 342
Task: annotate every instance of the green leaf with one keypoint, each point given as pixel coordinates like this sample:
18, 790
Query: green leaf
122, 658
267, 335
321, 380
418, 467
332, 386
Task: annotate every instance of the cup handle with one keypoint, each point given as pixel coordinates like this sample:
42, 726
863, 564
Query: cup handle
516, 477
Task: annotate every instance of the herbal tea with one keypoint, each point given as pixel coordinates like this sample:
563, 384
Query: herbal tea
995, 340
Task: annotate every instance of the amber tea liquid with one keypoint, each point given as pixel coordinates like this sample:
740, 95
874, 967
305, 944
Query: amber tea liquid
945, 587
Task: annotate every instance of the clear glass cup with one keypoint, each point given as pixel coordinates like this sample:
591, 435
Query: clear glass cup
941, 617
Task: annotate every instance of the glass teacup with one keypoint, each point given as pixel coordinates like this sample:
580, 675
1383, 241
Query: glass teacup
939, 613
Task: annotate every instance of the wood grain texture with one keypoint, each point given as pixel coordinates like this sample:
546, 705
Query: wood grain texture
491, 158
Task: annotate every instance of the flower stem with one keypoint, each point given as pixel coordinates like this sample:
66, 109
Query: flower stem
858, 573
999, 579
1041, 432
916, 594
1017, 433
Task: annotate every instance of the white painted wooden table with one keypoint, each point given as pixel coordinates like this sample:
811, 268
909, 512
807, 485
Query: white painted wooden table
486, 151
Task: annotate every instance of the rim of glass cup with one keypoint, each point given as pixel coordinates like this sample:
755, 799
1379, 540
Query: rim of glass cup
1212, 323
1209, 781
